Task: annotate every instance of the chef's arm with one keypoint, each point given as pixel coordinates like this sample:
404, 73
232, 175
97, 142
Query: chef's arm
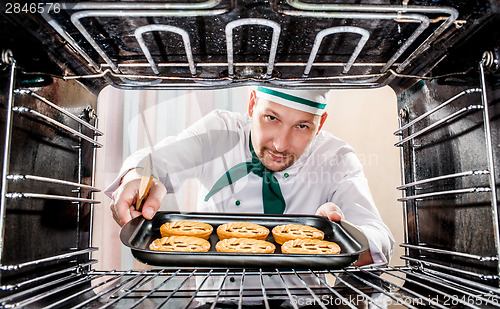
334, 213
125, 196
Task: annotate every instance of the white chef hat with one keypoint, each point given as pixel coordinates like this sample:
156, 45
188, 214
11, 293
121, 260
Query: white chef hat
310, 101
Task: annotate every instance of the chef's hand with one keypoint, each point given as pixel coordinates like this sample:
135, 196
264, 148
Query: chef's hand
124, 198
333, 212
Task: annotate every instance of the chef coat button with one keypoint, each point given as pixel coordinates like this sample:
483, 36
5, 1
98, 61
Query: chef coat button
286, 175
238, 203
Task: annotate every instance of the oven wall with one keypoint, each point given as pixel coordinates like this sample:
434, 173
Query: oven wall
456, 222
36, 228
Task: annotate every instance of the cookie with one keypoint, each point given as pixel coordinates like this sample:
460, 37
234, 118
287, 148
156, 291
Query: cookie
310, 246
242, 230
180, 243
186, 228
245, 245
283, 233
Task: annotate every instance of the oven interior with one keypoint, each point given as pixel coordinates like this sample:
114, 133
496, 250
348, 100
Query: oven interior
440, 57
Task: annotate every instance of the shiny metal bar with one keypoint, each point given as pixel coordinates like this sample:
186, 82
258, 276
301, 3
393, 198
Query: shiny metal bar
76, 20
403, 180
430, 288
435, 109
358, 291
155, 289
144, 6
132, 290
59, 109
220, 290
422, 19
456, 175
69, 39
8, 301
287, 289
473, 296
439, 122
420, 296
15, 195
240, 294
111, 288
14, 177
491, 162
453, 15
224, 64
185, 38
344, 301
463, 283
6, 153
31, 112
453, 269
198, 289
315, 297
333, 30
258, 22
83, 291
263, 289
48, 259
454, 253
176, 290
378, 288
440, 193
39, 279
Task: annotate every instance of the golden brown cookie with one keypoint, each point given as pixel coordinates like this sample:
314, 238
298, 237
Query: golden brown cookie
310, 246
242, 230
283, 233
246, 245
186, 228
180, 243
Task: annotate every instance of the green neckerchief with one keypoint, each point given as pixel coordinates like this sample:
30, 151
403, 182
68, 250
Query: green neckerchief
273, 200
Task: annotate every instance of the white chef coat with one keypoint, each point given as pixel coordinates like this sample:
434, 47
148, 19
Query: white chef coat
328, 171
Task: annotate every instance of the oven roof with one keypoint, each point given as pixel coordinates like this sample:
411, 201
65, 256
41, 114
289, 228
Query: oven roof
223, 43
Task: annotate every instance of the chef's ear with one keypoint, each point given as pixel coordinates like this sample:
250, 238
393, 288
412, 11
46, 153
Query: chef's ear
251, 103
322, 121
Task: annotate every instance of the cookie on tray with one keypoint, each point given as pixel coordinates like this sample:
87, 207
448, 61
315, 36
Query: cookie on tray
310, 246
242, 230
245, 245
186, 228
283, 233
180, 243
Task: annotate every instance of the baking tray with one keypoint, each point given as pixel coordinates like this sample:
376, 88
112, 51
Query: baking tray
138, 233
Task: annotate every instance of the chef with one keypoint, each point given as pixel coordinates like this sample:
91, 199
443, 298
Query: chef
273, 160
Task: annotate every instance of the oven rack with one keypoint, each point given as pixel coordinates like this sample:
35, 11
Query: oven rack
29, 112
56, 190
408, 135
399, 287
186, 72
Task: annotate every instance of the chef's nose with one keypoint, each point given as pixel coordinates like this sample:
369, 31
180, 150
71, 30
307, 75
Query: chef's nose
282, 140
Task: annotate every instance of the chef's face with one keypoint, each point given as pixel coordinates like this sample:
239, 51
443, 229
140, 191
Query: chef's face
281, 134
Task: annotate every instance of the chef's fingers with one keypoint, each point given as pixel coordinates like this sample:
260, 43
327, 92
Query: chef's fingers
331, 211
123, 200
153, 201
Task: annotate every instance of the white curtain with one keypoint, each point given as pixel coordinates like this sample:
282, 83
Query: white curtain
127, 117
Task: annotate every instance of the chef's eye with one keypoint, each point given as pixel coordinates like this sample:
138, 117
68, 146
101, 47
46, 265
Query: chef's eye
271, 118
302, 126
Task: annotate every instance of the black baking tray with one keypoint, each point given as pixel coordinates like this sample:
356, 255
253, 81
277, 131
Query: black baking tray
138, 233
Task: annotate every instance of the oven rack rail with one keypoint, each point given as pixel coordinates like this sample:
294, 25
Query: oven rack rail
9, 177
408, 137
378, 287
123, 74
29, 112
